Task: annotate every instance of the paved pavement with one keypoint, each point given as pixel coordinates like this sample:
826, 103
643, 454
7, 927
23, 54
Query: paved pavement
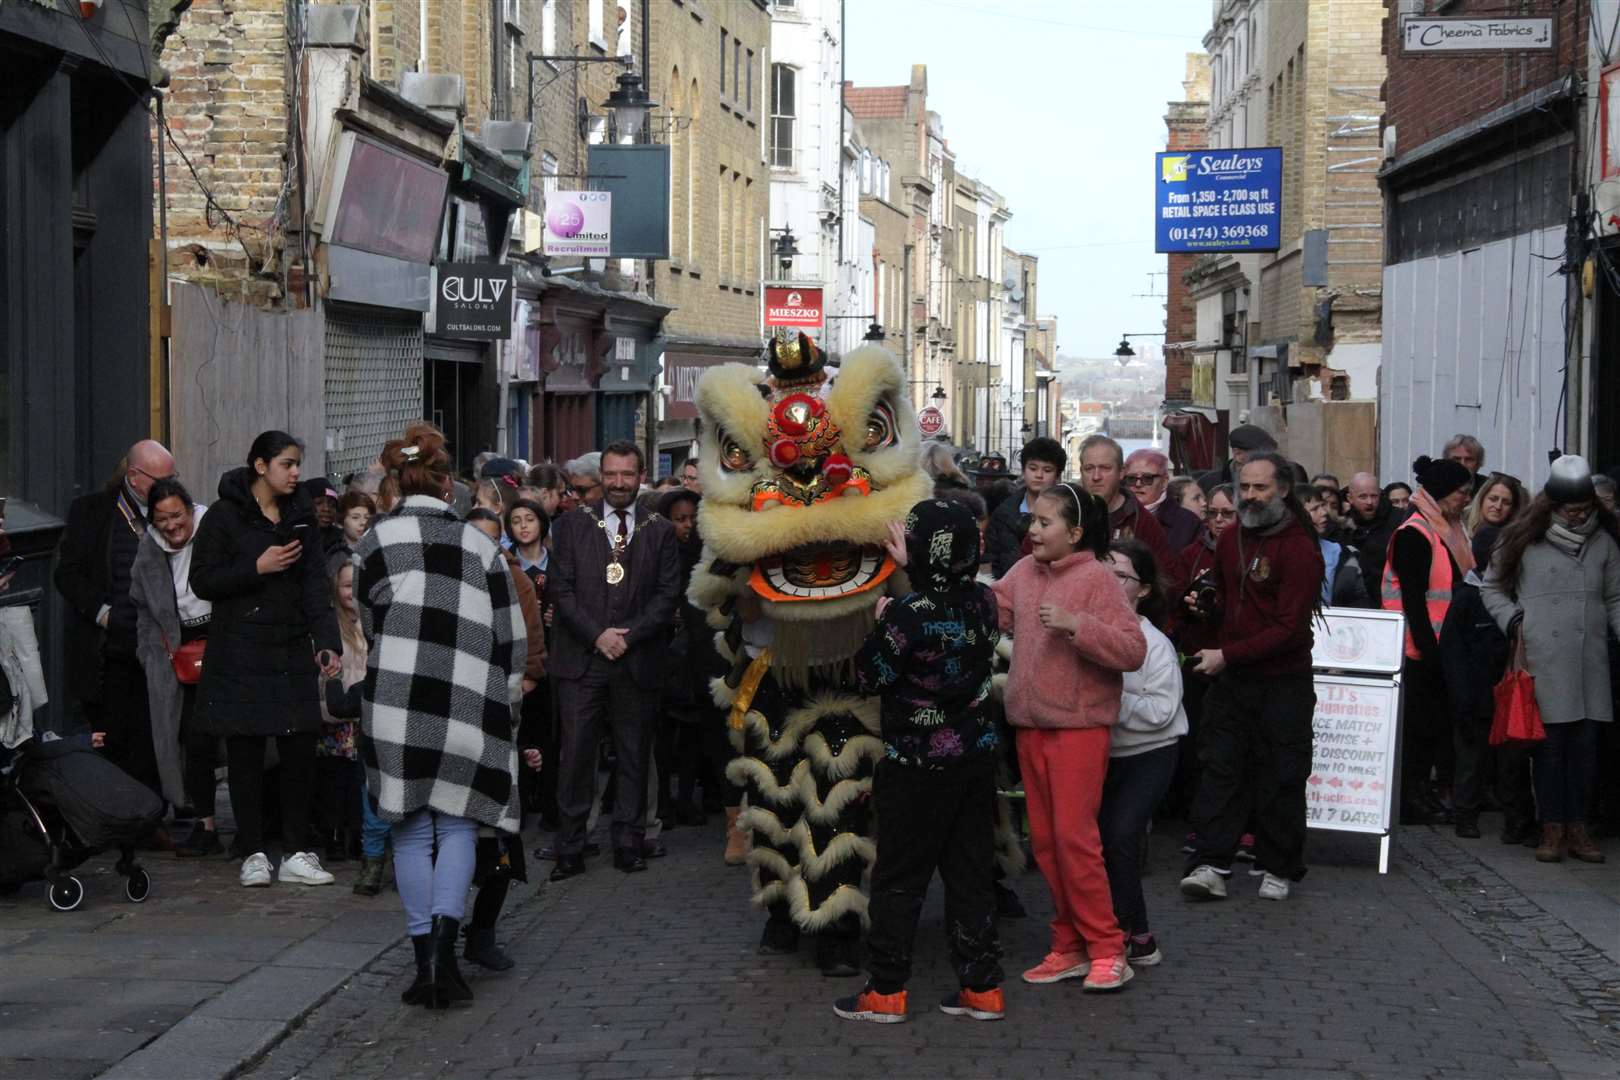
197, 981
1456, 964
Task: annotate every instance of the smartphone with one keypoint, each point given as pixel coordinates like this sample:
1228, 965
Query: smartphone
11, 565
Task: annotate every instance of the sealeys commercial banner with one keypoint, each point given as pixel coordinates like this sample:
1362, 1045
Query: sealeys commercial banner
1223, 200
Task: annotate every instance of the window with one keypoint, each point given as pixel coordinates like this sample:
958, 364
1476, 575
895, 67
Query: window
722, 233
548, 27
598, 31
625, 45
784, 110
725, 51
736, 69
748, 73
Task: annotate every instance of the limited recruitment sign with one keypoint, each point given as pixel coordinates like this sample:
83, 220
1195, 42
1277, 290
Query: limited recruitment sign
1212, 201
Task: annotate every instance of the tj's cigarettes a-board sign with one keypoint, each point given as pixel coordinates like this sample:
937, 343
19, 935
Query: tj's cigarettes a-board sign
579, 223
1357, 656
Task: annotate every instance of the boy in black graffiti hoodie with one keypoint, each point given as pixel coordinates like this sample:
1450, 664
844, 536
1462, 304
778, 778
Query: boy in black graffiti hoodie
929, 656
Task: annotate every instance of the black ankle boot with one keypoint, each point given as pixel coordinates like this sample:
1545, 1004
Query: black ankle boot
419, 990
448, 988
780, 935
482, 950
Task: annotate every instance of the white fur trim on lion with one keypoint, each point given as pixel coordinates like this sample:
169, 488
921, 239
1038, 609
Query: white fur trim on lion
737, 534
866, 375
846, 762
845, 900
799, 721
746, 770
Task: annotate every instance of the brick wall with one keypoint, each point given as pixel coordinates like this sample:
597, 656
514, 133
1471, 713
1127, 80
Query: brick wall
227, 109
1427, 96
1186, 123
712, 280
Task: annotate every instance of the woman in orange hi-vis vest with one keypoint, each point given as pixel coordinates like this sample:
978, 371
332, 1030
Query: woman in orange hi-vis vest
1428, 554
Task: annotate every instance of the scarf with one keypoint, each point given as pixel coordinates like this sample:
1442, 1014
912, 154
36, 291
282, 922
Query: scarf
1570, 539
1452, 532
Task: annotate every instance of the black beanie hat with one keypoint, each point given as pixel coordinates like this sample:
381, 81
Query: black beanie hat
1251, 438
1440, 478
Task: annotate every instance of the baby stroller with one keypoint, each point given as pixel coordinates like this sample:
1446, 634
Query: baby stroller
62, 803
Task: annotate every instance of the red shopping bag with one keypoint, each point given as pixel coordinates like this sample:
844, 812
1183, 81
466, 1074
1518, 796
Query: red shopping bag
1517, 717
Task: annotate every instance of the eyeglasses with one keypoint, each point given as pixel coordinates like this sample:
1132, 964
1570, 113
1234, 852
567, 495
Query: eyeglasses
1127, 577
583, 490
1143, 479
155, 479
1222, 513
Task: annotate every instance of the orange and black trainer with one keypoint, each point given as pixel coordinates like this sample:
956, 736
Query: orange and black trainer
980, 1005
873, 1006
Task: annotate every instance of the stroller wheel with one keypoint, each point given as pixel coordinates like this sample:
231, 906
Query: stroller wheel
138, 886
66, 894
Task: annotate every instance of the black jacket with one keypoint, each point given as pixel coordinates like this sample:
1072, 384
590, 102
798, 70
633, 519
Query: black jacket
643, 603
259, 674
1004, 536
85, 578
1473, 655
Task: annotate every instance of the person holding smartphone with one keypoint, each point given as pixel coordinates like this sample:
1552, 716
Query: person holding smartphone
258, 559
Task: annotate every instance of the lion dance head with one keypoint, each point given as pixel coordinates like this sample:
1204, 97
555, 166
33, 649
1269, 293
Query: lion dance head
802, 473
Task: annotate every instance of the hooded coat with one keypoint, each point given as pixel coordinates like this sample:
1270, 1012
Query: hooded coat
157, 635
259, 676
930, 653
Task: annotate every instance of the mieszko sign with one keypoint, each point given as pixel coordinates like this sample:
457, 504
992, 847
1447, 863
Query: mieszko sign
793, 307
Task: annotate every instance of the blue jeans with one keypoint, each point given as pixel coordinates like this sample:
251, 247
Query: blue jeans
373, 829
1562, 766
431, 885
1133, 787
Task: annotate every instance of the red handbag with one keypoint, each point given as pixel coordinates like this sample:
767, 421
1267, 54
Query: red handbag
1517, 717
187, 660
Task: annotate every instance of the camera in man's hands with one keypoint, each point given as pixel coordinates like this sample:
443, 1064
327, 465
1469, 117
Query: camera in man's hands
1206, 597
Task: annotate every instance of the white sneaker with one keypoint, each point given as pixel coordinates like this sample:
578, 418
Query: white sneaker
303, 868
1273, 888
1204, 883
255, 871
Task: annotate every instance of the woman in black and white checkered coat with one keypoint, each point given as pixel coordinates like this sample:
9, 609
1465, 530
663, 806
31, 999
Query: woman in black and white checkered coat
442, 678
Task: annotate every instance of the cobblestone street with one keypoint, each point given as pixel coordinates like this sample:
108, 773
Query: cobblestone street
1442, 969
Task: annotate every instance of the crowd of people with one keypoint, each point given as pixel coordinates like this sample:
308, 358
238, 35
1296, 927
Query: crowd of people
402, 666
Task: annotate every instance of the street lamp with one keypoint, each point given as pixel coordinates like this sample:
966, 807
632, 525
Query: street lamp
785, 247
630, 105
938, 394
1125, 354
875, 332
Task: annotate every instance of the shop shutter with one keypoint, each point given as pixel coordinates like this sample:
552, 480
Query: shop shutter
373, 384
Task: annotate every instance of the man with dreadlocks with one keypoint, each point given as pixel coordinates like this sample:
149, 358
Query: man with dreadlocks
1256, 739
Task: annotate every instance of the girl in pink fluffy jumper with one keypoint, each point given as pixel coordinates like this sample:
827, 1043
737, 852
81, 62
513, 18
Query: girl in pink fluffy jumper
1073, 637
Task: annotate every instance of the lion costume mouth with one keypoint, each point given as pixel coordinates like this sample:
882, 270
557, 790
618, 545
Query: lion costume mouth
827, 571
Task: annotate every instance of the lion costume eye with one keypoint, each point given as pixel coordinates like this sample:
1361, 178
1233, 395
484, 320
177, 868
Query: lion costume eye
880, 427
732, 455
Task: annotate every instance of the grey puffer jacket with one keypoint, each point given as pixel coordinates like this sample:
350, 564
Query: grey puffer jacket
1568, 606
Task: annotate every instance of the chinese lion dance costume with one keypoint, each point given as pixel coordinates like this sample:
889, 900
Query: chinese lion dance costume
802, 474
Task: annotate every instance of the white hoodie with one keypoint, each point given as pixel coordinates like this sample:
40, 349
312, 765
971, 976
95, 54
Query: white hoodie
192, 608
1150, 712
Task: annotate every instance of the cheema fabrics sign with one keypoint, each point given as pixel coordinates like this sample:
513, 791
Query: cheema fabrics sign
1218, 200
473, 301
1476, 35
579, 223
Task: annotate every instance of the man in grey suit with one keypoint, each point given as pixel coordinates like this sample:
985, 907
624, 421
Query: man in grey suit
615, 581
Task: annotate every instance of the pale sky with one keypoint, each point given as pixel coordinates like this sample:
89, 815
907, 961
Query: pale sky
1059, 105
